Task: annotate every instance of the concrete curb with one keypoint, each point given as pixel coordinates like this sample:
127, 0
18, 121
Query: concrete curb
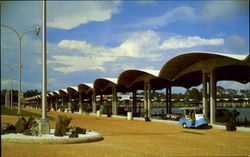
48, 140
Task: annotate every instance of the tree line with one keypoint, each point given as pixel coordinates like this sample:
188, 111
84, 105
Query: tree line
194, 93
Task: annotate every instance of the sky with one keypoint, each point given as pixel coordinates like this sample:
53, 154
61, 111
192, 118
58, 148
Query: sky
91, 39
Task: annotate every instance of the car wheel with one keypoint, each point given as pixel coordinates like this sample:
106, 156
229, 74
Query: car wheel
184, 125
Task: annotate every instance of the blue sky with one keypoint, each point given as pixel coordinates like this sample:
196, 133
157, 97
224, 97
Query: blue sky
91, 39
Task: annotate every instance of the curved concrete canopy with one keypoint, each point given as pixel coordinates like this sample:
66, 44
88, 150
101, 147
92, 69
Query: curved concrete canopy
104, 85
186, 69
85, 87
28, 99
63, 92
72, 90
50, 94
134, 79
33, 98
56, 93
38, 97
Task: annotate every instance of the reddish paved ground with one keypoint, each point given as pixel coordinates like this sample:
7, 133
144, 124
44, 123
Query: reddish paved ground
124, 138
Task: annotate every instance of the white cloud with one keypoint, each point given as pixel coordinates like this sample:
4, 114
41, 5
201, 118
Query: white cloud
67, 15
146, 2
92, 57
223, 9
233, 85
178, 14
22, 15
78, 63
54, 83
60, 14
5, 84
178, 42
139, 45
82, 55
237, 44
82, 46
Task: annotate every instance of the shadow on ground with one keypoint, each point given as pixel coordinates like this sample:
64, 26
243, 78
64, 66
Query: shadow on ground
191, 132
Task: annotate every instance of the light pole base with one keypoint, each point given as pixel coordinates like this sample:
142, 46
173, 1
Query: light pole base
44, 127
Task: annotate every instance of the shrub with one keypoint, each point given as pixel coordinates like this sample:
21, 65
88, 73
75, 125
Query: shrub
230, 117
62, 124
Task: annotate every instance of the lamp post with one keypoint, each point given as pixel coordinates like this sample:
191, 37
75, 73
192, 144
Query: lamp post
36, 31
11, 83
44, 127
44, 62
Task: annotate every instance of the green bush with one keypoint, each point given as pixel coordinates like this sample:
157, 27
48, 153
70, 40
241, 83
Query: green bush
230, 117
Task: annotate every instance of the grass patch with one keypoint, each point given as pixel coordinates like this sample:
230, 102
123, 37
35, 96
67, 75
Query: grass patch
13, 112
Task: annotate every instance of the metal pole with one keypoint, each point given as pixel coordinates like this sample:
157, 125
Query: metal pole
20, 63
19, 74
11, 83
44, 68
11, 91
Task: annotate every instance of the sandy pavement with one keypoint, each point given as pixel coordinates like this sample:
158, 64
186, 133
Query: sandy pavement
123, 138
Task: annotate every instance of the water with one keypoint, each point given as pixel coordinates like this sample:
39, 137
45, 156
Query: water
244, 112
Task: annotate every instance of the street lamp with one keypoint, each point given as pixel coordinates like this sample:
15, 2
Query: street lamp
36, 31
11, 83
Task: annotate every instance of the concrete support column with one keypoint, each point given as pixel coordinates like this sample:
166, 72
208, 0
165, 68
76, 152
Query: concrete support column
93, 101
51, 104
56, 101
212, 97
169, 98
62, 103
101, 104
145, 99
114, 100
167, 106
149, 100
204, 95
134, 101
70, 103
6, 99
80, 102
40, 103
